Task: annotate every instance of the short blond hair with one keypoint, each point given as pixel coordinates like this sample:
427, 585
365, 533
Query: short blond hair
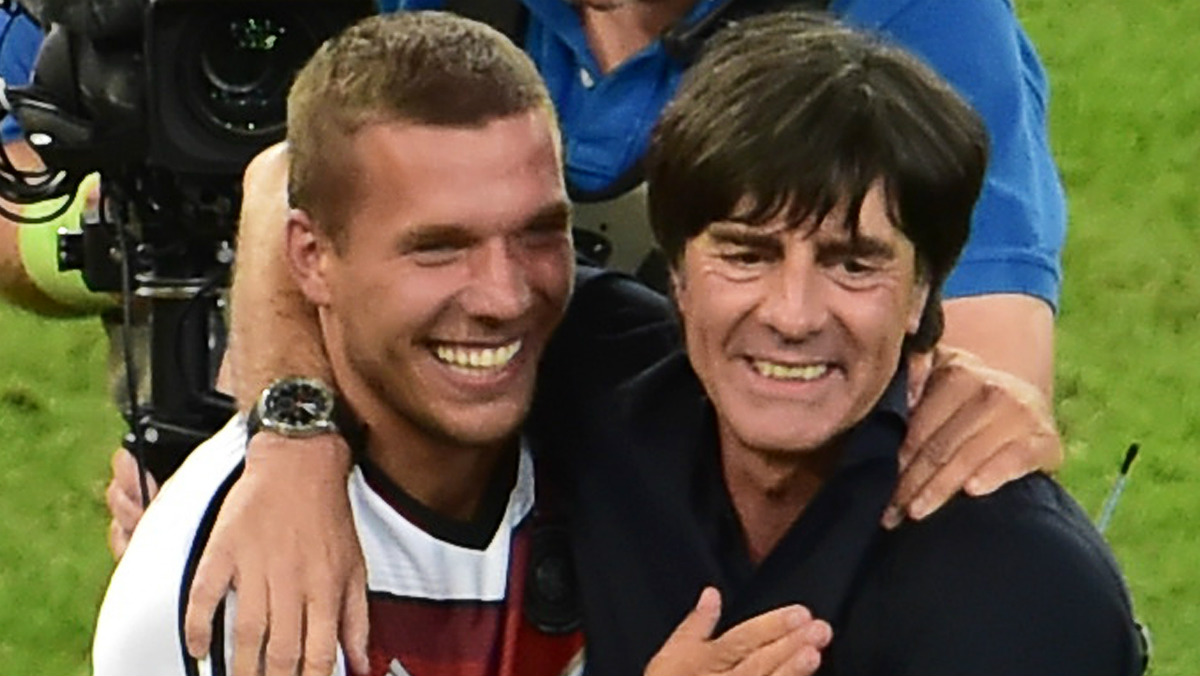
431, 68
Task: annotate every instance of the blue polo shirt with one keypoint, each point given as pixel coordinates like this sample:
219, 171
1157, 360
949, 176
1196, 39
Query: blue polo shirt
979, 47
20, 38
1020, 221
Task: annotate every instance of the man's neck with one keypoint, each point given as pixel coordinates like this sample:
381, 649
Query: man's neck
615, 34
770, 490
450, 479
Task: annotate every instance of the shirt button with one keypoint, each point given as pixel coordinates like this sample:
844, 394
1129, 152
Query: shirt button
586, 78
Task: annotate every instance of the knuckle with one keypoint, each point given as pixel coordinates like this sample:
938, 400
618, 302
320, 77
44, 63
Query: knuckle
279, 661
319, 665
731, 649
932, 456
991, 392
249, 628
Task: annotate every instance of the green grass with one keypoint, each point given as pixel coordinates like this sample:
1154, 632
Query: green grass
57, 430
1126, 130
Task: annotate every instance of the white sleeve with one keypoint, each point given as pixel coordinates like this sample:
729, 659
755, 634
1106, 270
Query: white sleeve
139, 630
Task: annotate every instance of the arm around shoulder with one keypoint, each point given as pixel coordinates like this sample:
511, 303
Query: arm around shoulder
274, 330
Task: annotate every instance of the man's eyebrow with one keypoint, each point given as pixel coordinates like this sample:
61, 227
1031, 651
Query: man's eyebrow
550, 217
736, 232
859, 245
435, 235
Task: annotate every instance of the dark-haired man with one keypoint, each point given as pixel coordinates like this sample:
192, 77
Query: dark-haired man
811, 188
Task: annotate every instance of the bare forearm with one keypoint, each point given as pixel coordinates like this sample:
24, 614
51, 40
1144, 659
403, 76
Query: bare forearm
16, 287
1010, 332
274, 330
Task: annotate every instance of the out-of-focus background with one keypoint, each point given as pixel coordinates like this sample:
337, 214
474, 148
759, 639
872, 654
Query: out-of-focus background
1125, 115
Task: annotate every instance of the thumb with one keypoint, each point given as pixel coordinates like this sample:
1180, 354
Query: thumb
698, 626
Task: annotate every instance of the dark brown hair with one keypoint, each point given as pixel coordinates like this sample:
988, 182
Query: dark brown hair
791, 114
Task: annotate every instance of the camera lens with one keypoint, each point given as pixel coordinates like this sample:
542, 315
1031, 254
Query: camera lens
240, 59
243, 64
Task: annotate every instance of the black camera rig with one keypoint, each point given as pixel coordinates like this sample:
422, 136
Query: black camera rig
168, 100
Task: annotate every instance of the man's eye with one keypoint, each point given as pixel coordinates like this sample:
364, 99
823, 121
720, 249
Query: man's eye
435, 253
855, 266
854, 271
743, 257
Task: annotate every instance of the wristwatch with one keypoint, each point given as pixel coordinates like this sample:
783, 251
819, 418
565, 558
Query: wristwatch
295, 407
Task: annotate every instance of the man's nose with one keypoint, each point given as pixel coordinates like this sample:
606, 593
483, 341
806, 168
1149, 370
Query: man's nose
795, 304
499, 287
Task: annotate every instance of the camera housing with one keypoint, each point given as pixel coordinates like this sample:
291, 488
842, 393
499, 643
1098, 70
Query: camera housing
218, 72
168, 100
196, 87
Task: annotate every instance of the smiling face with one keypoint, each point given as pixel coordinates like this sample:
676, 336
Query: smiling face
453, 269
796, 332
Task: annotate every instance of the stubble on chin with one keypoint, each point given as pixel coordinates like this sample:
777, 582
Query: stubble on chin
604, 5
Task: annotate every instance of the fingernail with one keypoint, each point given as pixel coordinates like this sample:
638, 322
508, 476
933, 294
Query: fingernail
892, 516
974, 486
795, 618
919, 509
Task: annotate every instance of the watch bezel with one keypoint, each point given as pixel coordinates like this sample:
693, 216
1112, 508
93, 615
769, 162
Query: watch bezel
270, 417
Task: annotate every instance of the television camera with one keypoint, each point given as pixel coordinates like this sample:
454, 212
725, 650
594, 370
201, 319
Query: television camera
168, 100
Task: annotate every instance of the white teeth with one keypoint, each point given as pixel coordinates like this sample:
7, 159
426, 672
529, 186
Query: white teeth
478, 359
785, 372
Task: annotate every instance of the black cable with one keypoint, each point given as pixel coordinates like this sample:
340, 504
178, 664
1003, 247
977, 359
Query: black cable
135, 407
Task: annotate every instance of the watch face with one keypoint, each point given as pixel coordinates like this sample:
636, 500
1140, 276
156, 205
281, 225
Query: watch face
298, 404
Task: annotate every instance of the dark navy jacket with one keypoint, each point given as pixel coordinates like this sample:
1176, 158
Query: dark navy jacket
1014, 583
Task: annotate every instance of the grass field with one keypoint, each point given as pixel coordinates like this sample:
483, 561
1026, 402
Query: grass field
1126, 130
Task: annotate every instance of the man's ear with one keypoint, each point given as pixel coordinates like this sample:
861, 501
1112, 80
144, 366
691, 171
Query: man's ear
676, 281
309, 253
916, 309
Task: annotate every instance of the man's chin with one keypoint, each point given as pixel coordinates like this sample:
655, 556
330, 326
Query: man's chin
482, 427
604, 5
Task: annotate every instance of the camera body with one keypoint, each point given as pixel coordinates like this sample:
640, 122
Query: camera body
218, 72
192, 87
168, 100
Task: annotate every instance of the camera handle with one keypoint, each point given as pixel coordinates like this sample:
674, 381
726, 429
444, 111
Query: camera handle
187, 341
181, 278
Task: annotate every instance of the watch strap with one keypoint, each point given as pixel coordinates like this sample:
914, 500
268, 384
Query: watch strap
345, 424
